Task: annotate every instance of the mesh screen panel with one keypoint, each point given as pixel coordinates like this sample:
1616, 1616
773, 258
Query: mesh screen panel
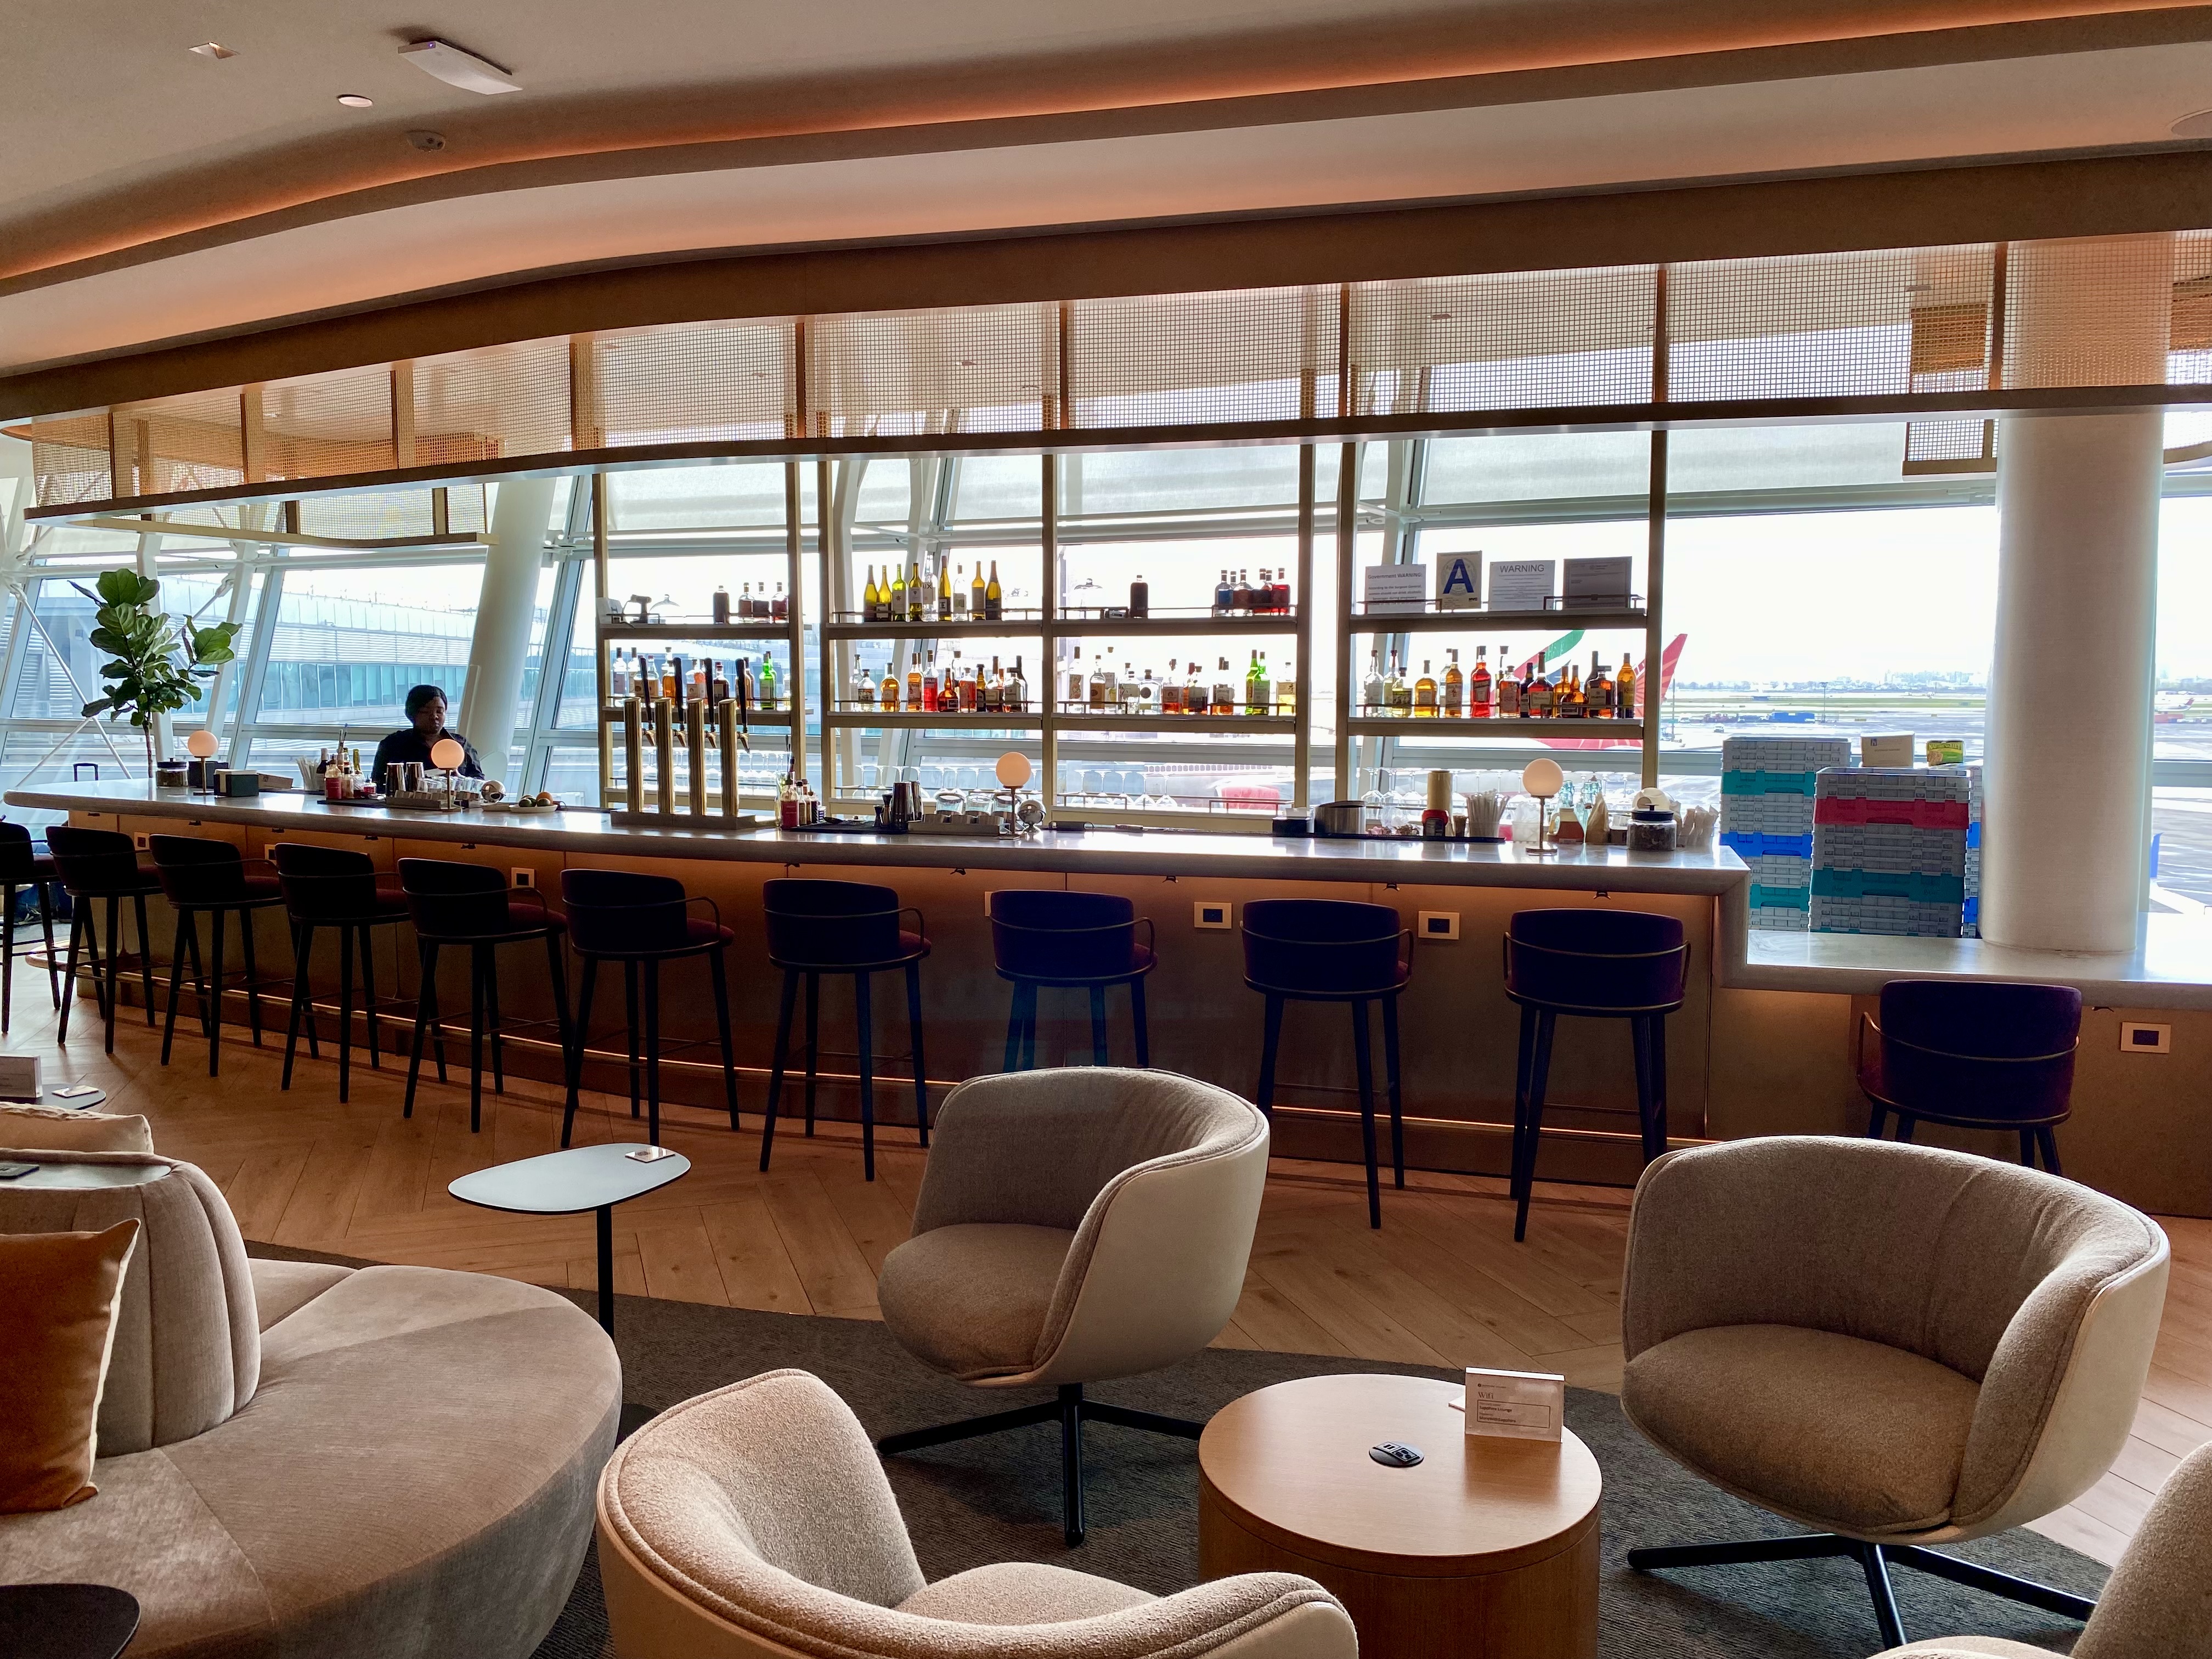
694, 383
1192, 359
2088, 313
1522, 340
69, 459
379, 516
196, 441
322, 426
1927, 442
492, 401
967, 368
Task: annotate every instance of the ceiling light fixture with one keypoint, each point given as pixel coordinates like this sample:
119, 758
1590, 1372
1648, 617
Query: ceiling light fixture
2195, 125
213, 50
457, 68
356, 101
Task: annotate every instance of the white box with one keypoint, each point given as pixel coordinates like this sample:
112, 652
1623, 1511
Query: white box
1459, 581
1597, 584
1522, 583
1886, 749
1515, 1405
1394, 590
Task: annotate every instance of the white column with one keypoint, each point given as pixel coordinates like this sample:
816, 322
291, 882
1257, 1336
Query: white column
2066, 811
519, 519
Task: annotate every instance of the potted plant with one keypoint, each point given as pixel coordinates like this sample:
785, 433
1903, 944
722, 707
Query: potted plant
146, 678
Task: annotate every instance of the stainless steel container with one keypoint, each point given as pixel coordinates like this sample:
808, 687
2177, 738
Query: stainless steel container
1336, 818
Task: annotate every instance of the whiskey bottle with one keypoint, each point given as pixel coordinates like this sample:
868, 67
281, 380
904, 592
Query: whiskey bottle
1194, 690
932, 695
1625, 687
1453, 701
864, 687
889, 691
1015, 699
1507, 688
1597, 691
914, 680
1425, 695
1536, 691
1567, 704
1077, 692
1224, 689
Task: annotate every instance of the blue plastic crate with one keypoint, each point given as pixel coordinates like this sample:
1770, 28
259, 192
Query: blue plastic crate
1757, 844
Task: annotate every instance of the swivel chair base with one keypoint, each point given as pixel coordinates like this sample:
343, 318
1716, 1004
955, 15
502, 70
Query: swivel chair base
1071, 1410
1875, 1559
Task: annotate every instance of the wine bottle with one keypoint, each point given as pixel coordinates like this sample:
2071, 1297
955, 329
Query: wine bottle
994, 600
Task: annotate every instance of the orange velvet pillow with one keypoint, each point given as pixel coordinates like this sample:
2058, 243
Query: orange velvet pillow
59, 1297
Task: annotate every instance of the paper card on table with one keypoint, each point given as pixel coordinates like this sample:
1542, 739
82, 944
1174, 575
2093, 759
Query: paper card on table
1522, 583
1395, 589
1459, 581
1515, 1405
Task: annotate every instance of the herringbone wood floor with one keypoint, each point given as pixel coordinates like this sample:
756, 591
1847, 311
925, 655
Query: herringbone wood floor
1442, 1284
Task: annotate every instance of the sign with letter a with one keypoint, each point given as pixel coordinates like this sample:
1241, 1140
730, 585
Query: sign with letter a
1459, 581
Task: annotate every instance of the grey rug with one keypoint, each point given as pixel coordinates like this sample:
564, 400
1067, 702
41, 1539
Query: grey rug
997, 1499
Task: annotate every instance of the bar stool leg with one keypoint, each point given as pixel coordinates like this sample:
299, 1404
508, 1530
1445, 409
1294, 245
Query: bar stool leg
1364, 1059
114, 965
77, 921
864, 1014
721, 987
1098, 1052
7, 952
199, 975
1271, 1039
145, 956
775, 1067
302, 940
1525, 1052
345, 1012
914, 1042
476, 967
176, 982
652, 1050
629, 996
1397, 1096
253, 975
214, 991
1906, 1126
1639, 1043
1137, 1018
580, 1038
492, 1019
426, 1016
47, 925
368, 999
1658, 1046
2027, 1148
1539, 1071
1013, 1027
2047, 1138
1877, 1117
813, 1043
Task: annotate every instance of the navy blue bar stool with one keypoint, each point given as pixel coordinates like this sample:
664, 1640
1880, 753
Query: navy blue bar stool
1042, 937
472, 906
1976, 1057
214, 878
330, 887
1329, 951
641, 921
1595, 964
818, 927
22, 865
97, 865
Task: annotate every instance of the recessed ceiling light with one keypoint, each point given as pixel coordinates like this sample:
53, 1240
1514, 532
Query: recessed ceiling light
213, 49
355, 100
2198, 126
457, 68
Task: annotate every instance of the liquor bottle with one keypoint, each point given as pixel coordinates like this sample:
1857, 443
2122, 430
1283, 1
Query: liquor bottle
1396, 690
1285, 680
1224, 596
1240, 594
895, 610
932, 697
1148, 694
1425, 695
1569, 704
1170, 690
889, 691
745, 602
617, 677
994, 598
1112, 674
1374, 698
917, 592
1016, 701
960, 593
721, 604
1256, 687
1479, 704
671, 669
1506, 689
944, 590
991, 690
718, 682
971, 690
1263, 591
1625, 685
1597, 691
977, 597
1280, 594
913, 680
864, 687
1536, 692
1224, 698
1140, 599
771, 682
1452, 702
870, 606
780, 609
1079, 684
1097, 690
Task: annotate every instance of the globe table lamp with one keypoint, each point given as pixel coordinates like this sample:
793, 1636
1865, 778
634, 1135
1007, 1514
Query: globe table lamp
1542, 778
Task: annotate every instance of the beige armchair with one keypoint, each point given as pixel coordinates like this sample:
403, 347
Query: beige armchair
1074, 1226
1896, 1346
2157, 1604
755, 1520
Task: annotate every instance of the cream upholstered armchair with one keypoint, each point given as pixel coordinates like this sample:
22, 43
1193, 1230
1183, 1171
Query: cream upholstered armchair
756, 1521
2158, 1603
1897, 1345
1074, 1226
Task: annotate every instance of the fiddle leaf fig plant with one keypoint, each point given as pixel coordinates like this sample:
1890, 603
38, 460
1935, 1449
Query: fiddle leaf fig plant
155, 663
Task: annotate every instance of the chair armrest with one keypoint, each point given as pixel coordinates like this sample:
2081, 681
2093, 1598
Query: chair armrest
703, 899
1151, 938
921, 926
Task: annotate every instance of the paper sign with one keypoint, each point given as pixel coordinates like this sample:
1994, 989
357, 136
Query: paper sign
1459, 581
1515, 1405
1395, 590
1522, 583
1598, 584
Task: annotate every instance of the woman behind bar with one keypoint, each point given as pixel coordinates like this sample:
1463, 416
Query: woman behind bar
426, 715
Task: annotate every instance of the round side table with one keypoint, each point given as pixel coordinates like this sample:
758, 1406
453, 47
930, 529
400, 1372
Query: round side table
66, 1621
1485, 1549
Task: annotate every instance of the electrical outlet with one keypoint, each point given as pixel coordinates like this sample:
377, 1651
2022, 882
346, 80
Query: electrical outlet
143, 841
1438, 924
269, 851
2138, 1039
523, 876
1210, 912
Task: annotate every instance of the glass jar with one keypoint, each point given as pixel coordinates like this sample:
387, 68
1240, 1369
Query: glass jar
1650, 831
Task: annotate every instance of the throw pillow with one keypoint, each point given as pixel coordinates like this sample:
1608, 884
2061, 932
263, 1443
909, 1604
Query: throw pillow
59, 1293
49, 1129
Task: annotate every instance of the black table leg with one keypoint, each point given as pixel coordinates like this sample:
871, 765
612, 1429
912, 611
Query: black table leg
605, 1213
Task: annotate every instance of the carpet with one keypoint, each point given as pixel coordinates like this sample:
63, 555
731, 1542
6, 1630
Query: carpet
997, 1499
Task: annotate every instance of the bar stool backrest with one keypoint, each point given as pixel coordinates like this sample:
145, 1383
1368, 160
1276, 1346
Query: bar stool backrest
195, 870
1965, 1049
622, 912
1608, 960
446, 900
830, 924
324, 884
1046, 934
1324, 947
16, 856
93, 862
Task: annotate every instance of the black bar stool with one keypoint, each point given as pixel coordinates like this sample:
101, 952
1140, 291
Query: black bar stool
330, 887
214, 877
472, 905
818, 927
22, 865
1975, 1056
641, 921
1041, 937
1331, 951
101, 864
1595, 964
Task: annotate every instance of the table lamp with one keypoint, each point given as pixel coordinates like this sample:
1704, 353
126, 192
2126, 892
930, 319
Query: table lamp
201, 746
446, 754
1013, 771
1542, 778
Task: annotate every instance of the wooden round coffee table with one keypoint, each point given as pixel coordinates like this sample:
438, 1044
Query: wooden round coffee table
1485, 1549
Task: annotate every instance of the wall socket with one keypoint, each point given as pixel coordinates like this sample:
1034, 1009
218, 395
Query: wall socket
1210, 913
143, 841
523, 876
2139, 1039
1437, 924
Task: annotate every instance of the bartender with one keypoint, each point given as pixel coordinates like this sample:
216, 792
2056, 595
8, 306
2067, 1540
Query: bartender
426, 717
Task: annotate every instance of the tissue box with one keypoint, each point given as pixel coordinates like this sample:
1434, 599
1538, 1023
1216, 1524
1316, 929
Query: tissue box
1515, 1405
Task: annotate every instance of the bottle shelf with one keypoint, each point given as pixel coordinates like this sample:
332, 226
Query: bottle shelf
1282, 624
1027, 625
847, 716
1446, 622
1446, 726
613, 713
684, 632
1174, 723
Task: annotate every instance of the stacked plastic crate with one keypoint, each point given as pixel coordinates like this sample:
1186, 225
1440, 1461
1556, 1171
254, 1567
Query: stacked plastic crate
1766, 818
1889, 850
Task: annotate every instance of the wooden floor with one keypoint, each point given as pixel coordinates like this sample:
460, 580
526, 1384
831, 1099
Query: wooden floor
1442, 1284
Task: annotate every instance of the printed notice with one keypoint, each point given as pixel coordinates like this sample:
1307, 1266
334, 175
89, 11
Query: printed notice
1515, 1405
1522, 583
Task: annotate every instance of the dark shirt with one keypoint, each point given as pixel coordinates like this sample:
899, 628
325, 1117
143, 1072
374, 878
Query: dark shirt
408, 745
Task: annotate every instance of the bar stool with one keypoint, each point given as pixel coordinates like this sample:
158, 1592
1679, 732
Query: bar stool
1041, 937
472, 905
211, 876
818, 927
1332, 950
1976, 1057
101, 864
1595, 964
22, 866
641, 921
332, 887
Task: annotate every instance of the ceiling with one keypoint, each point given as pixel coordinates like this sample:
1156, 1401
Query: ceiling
148, 195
